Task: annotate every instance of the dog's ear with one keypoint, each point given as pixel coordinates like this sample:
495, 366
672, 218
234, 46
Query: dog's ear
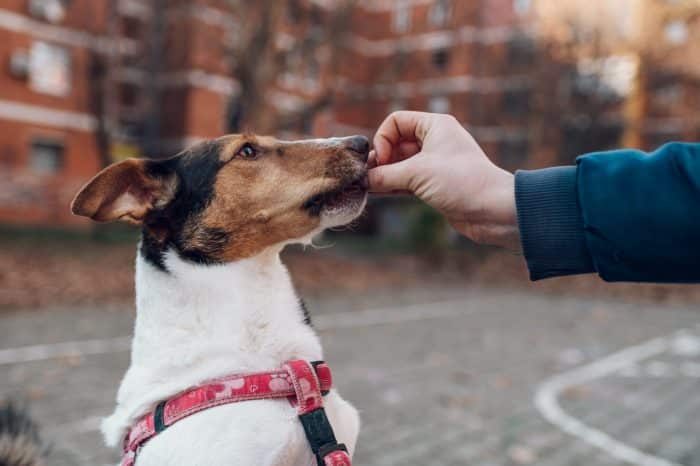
126, 191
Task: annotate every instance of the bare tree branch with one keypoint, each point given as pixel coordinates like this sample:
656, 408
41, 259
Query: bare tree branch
277, 39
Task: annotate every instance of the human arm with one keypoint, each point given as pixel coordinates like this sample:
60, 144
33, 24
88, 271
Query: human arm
627, 215
433, 157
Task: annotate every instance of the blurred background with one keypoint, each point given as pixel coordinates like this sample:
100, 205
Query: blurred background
446, 347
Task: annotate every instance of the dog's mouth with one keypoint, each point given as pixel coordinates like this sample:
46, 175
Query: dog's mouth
349, 195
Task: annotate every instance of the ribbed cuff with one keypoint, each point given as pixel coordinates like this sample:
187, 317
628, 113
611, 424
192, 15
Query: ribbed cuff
550, 221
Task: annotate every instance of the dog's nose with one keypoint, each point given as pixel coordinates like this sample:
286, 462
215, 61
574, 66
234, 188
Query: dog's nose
359, 145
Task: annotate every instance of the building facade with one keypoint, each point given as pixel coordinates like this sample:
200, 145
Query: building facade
467, 58
47, 123
87, 82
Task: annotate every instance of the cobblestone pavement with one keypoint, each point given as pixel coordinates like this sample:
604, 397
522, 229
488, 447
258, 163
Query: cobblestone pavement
442, 377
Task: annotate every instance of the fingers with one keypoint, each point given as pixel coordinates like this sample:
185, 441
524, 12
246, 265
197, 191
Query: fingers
405, 150
391, 178
401, 152
407, 127
372, 159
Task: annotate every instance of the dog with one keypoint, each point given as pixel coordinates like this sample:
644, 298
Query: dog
20, 442
212, 295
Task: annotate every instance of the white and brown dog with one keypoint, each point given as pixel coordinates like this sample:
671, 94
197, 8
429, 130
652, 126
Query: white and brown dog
213, 297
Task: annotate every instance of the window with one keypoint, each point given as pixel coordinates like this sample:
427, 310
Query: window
521, 50
668, 95
46, 157
677, 32
516, 102
439, 104
131, 27
294, 12
52, 11
19, 64
49, 69
130, 129
522, 7
440, 13
441, 58
129, 94
402, 18
312, 71
611, 77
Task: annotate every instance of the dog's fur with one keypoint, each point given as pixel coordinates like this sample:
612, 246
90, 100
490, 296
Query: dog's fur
213, 297
20, 443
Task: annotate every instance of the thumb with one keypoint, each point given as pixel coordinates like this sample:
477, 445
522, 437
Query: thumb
394, 177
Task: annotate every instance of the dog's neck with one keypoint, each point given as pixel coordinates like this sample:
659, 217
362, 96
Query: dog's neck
198, 322
245, 311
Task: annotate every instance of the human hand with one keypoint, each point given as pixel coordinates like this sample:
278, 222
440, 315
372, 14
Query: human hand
433, 157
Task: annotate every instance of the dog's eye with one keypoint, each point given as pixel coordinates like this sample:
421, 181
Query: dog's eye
247, 151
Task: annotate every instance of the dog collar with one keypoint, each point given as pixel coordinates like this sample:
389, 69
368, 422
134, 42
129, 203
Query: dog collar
303, 383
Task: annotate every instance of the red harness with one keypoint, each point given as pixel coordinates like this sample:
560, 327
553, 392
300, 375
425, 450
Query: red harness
301, 382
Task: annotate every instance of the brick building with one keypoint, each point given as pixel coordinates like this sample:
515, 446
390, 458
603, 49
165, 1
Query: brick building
468, 58
625, 79
663, 105
47, 123
85, 82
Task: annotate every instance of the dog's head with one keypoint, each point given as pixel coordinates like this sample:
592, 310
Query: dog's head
232, 197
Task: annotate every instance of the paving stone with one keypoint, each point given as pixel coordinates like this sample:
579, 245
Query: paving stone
450, 384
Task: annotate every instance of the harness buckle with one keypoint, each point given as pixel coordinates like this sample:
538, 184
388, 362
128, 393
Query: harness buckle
333, 454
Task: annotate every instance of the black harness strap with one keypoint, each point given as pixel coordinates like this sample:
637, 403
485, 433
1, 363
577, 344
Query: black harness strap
319, 434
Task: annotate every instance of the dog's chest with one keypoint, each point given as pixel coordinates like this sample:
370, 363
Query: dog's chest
199, 323
260, 433
265, 433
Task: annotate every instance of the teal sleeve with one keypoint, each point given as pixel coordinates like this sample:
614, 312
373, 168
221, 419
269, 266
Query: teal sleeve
641, 213
550, 223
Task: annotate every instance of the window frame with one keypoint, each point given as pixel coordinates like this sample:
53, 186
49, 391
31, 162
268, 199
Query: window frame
47, 142
402, 18
439, 13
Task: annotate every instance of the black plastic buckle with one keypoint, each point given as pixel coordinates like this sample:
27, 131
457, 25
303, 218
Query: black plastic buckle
315, 364
319, 434
159, 417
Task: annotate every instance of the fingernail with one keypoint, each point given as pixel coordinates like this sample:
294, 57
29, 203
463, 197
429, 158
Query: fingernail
372, 159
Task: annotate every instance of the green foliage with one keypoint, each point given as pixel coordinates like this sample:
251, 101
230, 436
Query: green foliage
427, 230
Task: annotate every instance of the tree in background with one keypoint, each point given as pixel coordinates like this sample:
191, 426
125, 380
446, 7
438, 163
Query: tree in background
284, 55
600, 64
581, 78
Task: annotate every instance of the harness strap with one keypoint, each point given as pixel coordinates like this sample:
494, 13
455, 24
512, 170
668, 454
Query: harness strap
231, 389
309, 404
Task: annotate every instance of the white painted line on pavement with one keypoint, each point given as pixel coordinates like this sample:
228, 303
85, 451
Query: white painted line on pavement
546, 401
340, 320
62, 350
394, 315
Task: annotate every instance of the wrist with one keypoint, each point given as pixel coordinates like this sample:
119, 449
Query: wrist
493, 220
502, 221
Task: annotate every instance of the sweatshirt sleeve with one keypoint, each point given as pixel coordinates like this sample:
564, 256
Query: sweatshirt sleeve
627, 215
550, 222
